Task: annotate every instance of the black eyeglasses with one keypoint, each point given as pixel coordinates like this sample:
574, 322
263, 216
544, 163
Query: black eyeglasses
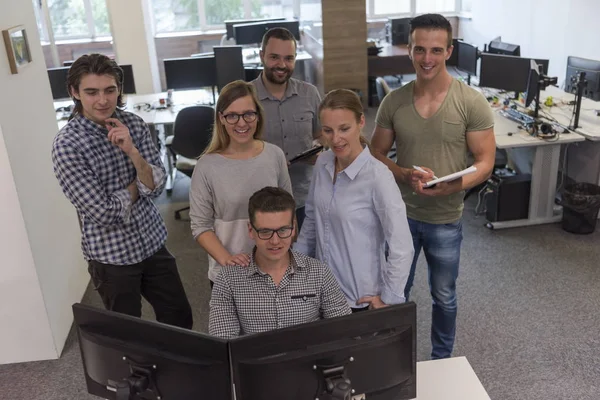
233, 118
265, 234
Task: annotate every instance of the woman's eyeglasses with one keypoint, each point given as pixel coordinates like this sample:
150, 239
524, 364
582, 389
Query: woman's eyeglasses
233, 118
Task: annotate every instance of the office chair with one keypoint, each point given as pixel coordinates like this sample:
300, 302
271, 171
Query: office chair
192, 132
382, 88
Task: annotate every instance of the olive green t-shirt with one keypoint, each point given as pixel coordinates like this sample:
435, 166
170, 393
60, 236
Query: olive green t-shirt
438, 142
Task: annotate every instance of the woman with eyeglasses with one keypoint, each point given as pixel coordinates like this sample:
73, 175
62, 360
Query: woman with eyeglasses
236, 164
353, 208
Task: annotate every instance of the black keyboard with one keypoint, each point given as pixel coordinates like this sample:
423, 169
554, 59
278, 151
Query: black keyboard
517, 116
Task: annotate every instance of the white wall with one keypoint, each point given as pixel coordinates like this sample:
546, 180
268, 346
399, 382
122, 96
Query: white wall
551, 29
42, 271
133, 41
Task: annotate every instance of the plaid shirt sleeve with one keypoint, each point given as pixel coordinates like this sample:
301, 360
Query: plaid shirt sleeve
333, 301
85, 191
223, 319
149, 152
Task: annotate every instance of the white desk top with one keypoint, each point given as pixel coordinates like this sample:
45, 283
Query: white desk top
520, 138
181, 99
448, 379
589, 122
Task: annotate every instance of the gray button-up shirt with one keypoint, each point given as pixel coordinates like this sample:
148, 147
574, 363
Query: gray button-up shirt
246, 300
292, 124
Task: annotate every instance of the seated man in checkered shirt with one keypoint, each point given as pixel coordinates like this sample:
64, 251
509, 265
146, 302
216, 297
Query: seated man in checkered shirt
280, 287
110, 169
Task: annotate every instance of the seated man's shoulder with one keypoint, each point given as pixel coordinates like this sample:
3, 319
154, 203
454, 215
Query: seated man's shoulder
308, 262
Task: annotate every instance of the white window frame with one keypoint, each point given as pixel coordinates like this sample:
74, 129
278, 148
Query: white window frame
413, 10
47, 25
205, 27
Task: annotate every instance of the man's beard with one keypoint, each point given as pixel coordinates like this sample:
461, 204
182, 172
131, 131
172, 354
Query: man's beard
270, 75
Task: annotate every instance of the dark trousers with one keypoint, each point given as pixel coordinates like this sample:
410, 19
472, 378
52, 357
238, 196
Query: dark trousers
300, 214
121, 288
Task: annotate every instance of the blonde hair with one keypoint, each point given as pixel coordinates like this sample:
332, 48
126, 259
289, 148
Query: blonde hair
344, 99
230, 93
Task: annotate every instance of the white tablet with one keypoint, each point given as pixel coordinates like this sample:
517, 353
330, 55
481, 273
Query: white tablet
452, 177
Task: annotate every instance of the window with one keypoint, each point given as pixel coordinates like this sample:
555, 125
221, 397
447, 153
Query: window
435, 6
73, 19
200, 15
384, 8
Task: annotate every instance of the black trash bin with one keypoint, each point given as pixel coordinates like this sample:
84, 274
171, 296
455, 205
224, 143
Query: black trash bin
581, 202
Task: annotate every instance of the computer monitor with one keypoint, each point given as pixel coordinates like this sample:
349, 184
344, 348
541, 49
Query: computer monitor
291, 25
190, 72
128, 81
467, 58
58, 82
229, 63
508, 73
371, 353
575, 65
453, 60
252, 33
249, 33
397, 30
230, 23
123, 355
498, 47
533, 82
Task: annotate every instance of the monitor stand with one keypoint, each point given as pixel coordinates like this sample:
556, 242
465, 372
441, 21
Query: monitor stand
337, 385
140, 380
581, 85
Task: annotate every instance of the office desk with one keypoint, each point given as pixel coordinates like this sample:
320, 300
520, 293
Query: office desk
251, 59
589, 122
153, 116
544, 172
448, 379
393, 60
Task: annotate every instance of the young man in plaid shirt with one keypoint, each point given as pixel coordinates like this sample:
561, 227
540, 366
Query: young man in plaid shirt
280, 287
109, 168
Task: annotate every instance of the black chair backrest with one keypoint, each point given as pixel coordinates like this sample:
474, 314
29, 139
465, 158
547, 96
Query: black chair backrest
192, 131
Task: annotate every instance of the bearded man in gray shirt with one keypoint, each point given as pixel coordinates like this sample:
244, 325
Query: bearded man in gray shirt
291, 108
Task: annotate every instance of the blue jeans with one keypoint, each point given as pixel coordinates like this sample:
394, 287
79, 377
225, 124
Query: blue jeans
441, 245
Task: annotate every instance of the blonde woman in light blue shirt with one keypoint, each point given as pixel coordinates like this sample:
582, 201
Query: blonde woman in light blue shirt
353, 208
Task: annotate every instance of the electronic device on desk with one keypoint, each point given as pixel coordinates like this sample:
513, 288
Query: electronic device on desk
370, 354
536, 82
467, 59
230, 23
58, 82
507, 196
509, 73
252, 33
372, 48
453, 60
128, 358
497, 46
517, 116
397, 30
576, 65
191, 73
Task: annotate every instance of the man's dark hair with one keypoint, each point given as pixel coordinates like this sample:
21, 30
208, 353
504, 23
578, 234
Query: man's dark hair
97, 64
431, 21
270, 199
277, 33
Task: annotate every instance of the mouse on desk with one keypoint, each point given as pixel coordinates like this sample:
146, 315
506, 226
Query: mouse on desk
510, 133
597, 113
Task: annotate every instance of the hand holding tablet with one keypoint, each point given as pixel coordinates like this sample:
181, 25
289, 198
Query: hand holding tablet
451, 177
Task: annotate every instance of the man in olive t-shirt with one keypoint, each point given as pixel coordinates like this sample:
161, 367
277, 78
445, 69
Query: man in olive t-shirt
435, 120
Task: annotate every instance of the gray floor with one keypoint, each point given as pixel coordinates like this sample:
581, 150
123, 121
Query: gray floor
528, 312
